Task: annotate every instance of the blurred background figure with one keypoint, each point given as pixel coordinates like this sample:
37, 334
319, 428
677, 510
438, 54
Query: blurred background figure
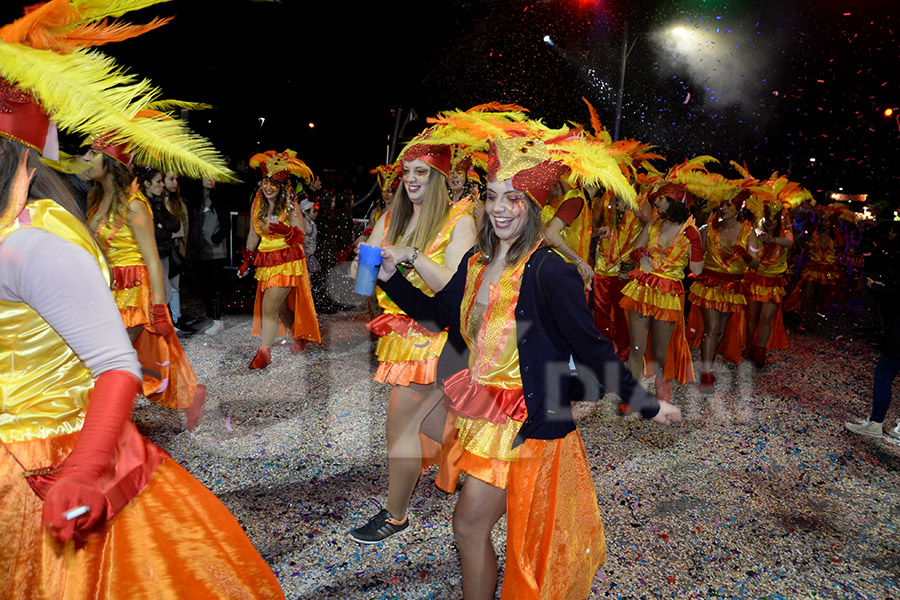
175, 205
208, 245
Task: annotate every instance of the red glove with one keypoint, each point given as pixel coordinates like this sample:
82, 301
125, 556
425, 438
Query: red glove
248, 255
292, 235
637, 254
743, 254
693, 237
81, 478
161, 322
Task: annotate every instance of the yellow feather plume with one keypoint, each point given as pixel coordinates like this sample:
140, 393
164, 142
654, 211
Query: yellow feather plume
86, 93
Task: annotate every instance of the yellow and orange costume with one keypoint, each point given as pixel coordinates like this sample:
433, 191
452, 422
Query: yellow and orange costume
624, 230
279, 264
168, 376
489, 402
721, 287
173, 539
766, 284
407, 353
660, 294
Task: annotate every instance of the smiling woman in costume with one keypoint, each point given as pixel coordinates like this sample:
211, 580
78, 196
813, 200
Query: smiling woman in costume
275, 247
520, 308
437, 234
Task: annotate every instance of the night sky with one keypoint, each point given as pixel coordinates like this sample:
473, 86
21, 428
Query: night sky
769, 84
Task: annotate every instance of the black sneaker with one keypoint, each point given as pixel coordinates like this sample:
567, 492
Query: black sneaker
379, 528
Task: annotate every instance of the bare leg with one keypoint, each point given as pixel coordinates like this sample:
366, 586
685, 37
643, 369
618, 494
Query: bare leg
433, 424
660, 334
807, 308
765, 323
285, 314
479, 508
272, 300
407, 408
708, 344
753, 310
639, 328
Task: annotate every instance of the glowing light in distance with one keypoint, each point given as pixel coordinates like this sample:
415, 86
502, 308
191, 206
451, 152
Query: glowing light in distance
888, 112
312, 125
548, 40
680, 31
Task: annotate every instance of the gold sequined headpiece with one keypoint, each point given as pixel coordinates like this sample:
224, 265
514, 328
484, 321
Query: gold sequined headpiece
528, 163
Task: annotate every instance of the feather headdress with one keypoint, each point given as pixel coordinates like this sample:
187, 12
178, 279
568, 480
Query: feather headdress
281, 165
87, 93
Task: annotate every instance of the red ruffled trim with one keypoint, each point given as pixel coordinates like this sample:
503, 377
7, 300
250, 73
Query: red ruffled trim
385, 323
754, 278
662, 284
127, 277
725, 281
478, 401
279, 257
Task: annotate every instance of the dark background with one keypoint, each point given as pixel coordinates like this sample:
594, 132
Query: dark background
769, 84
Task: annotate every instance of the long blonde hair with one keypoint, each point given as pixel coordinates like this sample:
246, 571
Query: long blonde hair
435, 207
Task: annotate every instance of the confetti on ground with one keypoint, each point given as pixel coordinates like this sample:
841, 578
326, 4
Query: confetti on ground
760, 493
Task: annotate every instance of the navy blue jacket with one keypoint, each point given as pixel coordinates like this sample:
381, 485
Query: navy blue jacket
552, 323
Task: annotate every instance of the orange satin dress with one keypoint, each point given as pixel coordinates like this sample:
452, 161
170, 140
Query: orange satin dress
660, 294
554, 535
279, 264
173, 540
721, 287
612, 251
168, 376
407, 352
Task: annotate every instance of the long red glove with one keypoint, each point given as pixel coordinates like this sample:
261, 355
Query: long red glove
292, 235
161, 322
743, 254
81, 477
693, 237
248, 255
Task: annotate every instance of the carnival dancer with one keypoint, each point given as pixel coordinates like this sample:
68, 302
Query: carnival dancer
421, 216
654, 296
765, 284
618, 228
820, 276
100, 511
275, 247
121, 218
517, 306
719, 295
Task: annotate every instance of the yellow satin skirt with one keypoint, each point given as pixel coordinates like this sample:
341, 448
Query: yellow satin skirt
175, 540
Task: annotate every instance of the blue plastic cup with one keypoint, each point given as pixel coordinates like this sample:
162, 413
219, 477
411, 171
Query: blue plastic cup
367, 270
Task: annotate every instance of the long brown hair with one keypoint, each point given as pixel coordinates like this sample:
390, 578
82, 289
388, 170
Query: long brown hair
46, 183
532, 233
435, 206
284, 202
122, 178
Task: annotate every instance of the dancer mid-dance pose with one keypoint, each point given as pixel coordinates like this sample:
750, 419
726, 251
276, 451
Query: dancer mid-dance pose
121, 218
275, 247
731, 248
520, 308
654, 298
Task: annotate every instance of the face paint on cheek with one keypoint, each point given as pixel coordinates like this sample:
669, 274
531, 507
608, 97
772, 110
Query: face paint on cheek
517, 207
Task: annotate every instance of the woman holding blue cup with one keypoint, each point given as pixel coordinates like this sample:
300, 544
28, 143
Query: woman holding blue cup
434, 236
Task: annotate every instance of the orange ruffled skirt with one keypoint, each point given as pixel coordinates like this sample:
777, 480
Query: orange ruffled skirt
175, 540
663, 300
291, 274
168, 378
406, 352
554, 535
